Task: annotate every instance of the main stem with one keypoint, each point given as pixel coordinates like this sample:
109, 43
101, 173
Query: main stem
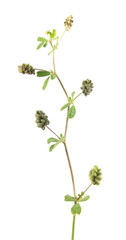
73, 227
66, 150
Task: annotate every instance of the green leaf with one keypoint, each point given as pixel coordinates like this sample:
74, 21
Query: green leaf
40, 39
65, 106
39, 46
52, 147
70, 199
45, 83
85, 199
42, 73
43, 41
53, 76
53, 34
45, 44
52, 140
72, 111
76, 209
72, 94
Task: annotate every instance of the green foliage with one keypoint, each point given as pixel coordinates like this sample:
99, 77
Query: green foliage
45, 83
53, 34
84, 199
70, 199
43, 42
39, 46
65, 106
52, 140
72, 111
62, 139
40, 39
76, 209
43, 73
72, 94
52, 147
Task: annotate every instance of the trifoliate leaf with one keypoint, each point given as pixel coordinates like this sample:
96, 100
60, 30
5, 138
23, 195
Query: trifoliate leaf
42, 73
52, 147
76, 209
72, 94
72, 111
52, 140
43, 43
85, 199
45, 83
53, 76
65, 106
70, 199
61, 139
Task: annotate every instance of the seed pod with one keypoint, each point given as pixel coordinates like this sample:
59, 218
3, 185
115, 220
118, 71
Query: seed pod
87, 87
68, 23
95, 175
26, 69
41, 119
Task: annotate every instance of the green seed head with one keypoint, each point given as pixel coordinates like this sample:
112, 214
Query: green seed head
26, 69
87, 87
95, 175
41, 119
68, 23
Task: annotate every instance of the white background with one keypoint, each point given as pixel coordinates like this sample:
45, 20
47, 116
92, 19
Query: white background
33, 182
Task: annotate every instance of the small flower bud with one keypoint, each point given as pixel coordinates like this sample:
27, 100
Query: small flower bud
41, 119
47, 32
95, 175
68, 23
26, 69
87, 87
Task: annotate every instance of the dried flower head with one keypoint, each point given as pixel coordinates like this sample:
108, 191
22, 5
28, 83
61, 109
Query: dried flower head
68, 23
41, 119
87, 87
95, 175
26, 69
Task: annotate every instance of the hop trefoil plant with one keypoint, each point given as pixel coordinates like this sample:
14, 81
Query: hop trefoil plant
42, 121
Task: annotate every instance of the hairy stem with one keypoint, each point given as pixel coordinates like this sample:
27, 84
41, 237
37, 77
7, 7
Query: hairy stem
54, 63
66, 123
77, 96
66, 150
53, 132
71, 171
62, 85
54, 68
73, 227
